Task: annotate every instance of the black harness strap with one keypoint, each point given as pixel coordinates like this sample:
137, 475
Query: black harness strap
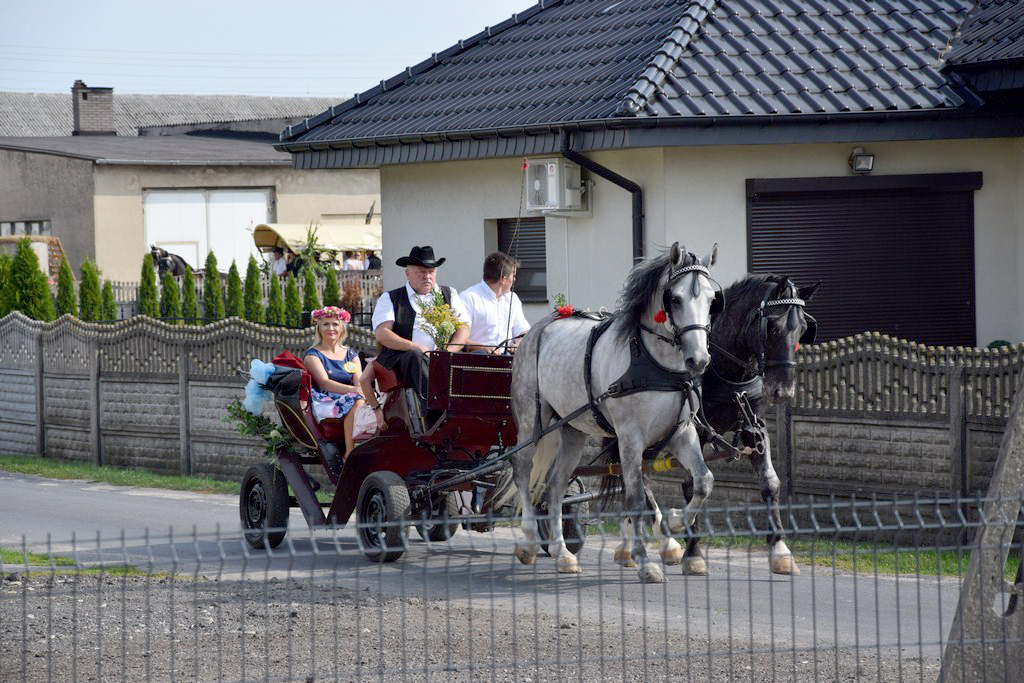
596, 332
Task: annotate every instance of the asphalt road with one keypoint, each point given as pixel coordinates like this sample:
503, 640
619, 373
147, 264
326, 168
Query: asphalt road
188, 533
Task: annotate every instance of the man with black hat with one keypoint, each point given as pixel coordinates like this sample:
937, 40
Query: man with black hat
396, 319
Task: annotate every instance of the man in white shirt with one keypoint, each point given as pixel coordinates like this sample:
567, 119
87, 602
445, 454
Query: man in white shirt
396, 319
495, 311
279, 265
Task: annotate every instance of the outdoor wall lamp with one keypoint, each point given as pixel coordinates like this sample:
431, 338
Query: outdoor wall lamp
861, 162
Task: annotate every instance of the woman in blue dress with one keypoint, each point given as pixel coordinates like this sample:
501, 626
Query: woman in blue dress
335, 369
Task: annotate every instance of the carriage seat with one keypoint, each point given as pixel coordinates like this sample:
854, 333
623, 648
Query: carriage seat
386, 379
400, 400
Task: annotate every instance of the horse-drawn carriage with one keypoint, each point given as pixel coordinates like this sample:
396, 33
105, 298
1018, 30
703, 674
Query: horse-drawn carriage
648, 359
423, 470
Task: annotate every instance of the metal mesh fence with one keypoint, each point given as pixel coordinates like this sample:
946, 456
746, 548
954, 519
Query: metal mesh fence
875, 600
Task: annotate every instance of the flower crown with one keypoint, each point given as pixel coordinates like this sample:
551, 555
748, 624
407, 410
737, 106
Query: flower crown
332, 312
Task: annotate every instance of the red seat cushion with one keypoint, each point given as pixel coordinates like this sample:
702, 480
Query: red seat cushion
386, 379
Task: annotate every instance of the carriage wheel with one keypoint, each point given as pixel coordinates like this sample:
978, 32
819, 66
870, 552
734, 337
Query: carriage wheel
437, 530
263, 506
574, 531
382, 506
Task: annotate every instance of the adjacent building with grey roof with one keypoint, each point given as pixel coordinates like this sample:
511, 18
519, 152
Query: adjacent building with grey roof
874, 145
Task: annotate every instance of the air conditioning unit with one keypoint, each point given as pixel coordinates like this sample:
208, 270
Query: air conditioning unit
555, 185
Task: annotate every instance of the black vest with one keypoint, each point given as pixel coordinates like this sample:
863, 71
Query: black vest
405, 315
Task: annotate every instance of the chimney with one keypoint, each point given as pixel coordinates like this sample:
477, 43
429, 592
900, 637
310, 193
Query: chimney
93, 110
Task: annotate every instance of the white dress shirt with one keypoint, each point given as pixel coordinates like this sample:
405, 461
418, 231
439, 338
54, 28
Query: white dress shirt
489, 319
383, 312
279, 266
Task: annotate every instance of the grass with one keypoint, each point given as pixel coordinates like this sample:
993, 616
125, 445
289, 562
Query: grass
118, 476
13, 560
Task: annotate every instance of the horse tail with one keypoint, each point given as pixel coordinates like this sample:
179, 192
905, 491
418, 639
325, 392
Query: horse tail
612, 495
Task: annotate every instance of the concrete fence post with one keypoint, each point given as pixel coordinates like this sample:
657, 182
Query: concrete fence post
959, 464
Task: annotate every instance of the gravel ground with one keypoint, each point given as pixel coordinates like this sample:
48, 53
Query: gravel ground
87, 627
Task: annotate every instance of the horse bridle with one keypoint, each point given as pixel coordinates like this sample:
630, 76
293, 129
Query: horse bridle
794, 305
674, 274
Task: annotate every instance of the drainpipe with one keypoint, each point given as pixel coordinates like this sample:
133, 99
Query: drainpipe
624, 183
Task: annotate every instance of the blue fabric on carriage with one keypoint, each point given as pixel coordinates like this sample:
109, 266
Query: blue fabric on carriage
327, 404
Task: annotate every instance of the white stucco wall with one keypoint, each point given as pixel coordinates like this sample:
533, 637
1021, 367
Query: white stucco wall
695, 195
297, 197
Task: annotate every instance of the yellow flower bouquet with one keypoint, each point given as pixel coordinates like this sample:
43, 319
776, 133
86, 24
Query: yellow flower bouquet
438, 320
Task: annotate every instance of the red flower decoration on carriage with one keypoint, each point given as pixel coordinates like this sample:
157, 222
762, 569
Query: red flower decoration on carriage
564, 311
660, 316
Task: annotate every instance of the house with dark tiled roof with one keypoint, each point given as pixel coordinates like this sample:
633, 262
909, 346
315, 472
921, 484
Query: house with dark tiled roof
875, 145
112, 175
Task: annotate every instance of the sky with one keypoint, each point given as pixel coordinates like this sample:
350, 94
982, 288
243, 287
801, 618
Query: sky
333, 49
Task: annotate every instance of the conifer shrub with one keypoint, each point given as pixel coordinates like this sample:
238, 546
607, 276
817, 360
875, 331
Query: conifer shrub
332, 295
189, 302
170, 299
66, 303
253, 292
149, 303
89, 293
292, 304
235, 305
275, 303
5, 284
29, 288
108, 307
213, 291
310, 301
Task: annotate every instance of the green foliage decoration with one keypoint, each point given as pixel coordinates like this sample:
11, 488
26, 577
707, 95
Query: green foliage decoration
213, 291
292, 304
148, 300
275, 304
89, 293
259, 426
170, 299
332, 294
236, 304
66, 303
253, 292
108, 307
189, 302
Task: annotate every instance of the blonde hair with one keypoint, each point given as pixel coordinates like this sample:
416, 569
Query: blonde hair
317, 337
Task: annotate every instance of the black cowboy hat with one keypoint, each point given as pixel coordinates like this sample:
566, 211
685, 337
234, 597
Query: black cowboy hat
420, 256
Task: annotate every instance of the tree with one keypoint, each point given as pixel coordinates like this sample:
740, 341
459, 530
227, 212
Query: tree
275, 306
89, 295
213, 291
332, 295
189, 303
236, 306
148, 301
108, 307
253, 292
5, 284
310, 301
170, 299
292, 304
66, 303
29, 290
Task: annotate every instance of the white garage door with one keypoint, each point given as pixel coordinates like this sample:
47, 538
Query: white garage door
191, 223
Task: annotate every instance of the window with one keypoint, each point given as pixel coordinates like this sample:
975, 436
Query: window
895, 254
11, 228
523, 239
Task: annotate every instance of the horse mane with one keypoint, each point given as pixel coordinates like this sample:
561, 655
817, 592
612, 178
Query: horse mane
641, 284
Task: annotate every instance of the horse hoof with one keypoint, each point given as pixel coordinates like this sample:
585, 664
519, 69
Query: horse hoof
525, 556
624, 558
695, 566
651, 573
568, 565
672, 557
785, 565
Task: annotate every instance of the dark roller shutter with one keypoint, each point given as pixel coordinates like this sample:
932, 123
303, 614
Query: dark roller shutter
896, 260
524, 240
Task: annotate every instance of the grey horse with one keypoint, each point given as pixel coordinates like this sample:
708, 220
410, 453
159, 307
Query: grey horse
664, 308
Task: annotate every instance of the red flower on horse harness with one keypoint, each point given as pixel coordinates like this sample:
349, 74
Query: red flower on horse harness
564, 311
660, 317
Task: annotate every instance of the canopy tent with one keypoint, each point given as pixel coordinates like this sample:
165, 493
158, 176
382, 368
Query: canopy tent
351, 233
